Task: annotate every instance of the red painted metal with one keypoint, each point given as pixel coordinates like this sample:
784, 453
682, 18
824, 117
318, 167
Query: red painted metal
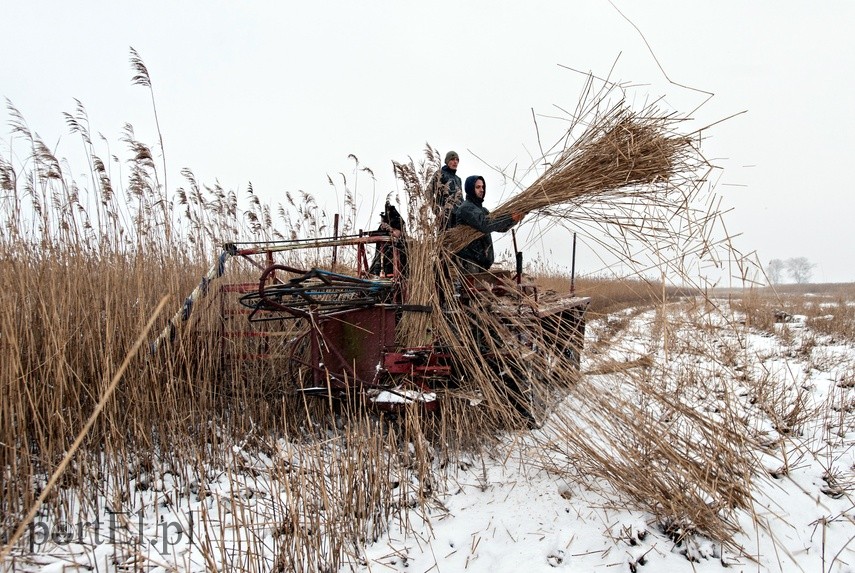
350, 348
355, 341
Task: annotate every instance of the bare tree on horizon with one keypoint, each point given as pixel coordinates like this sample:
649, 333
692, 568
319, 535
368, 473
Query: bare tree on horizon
800, 269
775, 271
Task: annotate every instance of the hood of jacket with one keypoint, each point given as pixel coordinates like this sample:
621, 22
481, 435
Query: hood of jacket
391, 216
469, 187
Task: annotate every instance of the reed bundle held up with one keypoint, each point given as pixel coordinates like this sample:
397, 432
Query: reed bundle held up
621, 152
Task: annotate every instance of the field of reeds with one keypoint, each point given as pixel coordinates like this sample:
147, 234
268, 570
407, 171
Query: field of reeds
124, 428
94, 417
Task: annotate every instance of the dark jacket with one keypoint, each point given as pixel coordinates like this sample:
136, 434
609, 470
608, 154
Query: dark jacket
473, 213
384, 257
448, 193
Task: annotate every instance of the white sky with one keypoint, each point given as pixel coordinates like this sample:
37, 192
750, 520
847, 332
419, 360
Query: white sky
280, 93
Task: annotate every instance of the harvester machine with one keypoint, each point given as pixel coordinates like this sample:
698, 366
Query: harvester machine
334, 331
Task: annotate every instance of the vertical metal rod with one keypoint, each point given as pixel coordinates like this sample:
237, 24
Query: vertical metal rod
573, 268
664, 321
335, 236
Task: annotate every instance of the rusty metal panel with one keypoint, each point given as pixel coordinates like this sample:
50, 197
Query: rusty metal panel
353, 341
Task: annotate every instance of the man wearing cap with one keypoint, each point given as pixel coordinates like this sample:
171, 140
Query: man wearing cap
448, 193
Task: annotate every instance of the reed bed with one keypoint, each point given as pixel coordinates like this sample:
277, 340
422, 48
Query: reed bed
610, 295
826, 309
83, 266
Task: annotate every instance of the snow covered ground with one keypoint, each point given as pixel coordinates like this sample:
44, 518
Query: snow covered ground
511, 515
519, 506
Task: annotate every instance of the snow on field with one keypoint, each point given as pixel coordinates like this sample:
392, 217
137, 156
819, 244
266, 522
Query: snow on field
507, 515
509, 509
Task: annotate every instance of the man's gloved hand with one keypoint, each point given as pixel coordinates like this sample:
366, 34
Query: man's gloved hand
517, 217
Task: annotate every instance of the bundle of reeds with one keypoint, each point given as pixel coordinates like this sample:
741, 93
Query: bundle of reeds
621, 151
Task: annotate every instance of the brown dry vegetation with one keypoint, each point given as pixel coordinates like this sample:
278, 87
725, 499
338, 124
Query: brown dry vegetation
827, 308
83, 269
610, 294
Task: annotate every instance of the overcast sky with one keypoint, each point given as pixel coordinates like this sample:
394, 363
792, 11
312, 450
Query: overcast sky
280, 93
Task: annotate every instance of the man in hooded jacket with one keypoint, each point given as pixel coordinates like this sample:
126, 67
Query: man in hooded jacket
392, 224
478, 255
